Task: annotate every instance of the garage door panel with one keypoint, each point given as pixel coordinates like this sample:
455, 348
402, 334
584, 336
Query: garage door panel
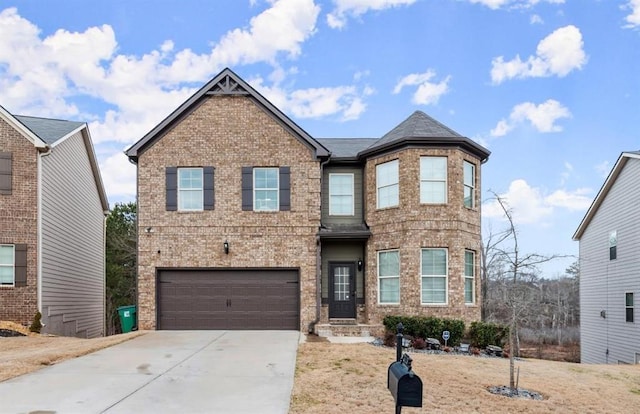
228, 299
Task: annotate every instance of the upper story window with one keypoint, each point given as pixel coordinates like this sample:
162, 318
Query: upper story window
469, 185
613, 245
190, 189
434, 276
387, 182
265, 189
433, 180
389, 277
7, 265
628, 298
341, 195
469, 277
5, 173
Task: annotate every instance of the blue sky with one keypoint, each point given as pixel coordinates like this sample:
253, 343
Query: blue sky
551, 87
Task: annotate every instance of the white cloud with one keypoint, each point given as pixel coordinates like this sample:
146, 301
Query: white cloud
536, 19
531, 205
344, 9
556, 55
119, 177
542, 117
633, 19
515, 4
428, 92
604, 168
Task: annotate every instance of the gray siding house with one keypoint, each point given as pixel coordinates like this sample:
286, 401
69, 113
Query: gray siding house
609, 237
52, 212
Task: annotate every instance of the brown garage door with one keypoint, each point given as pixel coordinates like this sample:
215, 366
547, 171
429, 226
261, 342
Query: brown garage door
228, 299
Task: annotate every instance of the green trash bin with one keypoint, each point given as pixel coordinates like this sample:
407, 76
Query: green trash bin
127, 317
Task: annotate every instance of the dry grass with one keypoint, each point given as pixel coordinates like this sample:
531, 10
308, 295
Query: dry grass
337, 378
23, 354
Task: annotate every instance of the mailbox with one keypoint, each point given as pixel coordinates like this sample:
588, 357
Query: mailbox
404, 384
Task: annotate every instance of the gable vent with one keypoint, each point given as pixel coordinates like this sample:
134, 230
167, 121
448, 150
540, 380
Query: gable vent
227, 86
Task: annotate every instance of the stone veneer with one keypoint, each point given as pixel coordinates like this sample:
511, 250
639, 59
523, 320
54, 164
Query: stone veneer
227, 132
19, 223
412, 226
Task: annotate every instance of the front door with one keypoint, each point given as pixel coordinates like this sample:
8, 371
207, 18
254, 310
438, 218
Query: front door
342, 290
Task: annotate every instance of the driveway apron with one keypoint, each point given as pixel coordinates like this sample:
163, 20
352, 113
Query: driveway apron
166, 372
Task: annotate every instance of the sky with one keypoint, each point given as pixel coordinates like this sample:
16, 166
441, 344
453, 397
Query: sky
550, 87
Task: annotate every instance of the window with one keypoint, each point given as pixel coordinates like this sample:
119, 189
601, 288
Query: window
389, 277
433, 180
387, 182
7, 265
190, 189
469, 185
628, 298
5, 173
613, 245
434, 276
341, 195
265, 189
469, 277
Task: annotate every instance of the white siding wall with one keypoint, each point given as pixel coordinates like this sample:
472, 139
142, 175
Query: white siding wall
603, 282
72, 243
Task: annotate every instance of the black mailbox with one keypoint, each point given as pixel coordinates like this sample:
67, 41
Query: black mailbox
404, 384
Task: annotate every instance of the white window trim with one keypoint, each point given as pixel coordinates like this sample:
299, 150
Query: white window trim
396, 183
446, 180
12, 265
388, 277
446, 278
473, 183
352, 194
201, 189
276, 189
472, 277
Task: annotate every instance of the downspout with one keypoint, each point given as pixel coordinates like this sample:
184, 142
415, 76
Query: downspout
312, 325
41, 153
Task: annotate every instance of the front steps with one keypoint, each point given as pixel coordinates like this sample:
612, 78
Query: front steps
346, 327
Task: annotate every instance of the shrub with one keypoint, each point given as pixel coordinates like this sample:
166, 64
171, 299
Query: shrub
418, 343
389, 339
483, 334
427, 327
36, 325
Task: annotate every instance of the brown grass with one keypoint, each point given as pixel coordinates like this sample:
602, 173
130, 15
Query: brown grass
23, 354
339, 378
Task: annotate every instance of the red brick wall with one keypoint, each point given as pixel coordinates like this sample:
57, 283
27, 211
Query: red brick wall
227, 133
19, 223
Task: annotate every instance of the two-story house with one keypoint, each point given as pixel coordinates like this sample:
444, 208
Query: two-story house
52, 226
609, 237
247, 222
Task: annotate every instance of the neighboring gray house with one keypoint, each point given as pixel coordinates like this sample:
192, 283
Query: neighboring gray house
609, 237
52, 220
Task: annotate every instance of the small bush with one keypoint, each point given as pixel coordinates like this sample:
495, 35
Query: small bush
483, 334
427, 327
418, 343
447, 349
389, 339
36, 325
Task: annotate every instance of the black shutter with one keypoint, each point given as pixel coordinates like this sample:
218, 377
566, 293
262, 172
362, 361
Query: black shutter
285, 189
171, 175
5, 173
20, 265
209, 195
247, 188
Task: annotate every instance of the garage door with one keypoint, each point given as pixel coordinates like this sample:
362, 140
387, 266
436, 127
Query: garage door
228, 299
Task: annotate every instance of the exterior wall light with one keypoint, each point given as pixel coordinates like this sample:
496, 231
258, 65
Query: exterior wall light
226, 247
360, 264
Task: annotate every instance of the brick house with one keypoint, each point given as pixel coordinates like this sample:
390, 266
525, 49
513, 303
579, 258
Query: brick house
247, 222
52, 234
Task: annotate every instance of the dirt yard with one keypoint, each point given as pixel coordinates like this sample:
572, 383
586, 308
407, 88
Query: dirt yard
337, 378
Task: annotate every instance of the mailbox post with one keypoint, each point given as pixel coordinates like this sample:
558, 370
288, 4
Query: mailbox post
405, 386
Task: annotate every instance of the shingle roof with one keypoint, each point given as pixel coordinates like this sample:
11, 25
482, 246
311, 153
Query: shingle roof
346, 147
49, 130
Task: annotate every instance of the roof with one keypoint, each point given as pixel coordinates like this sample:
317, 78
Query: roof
420, 129
602, 194
22, 129
346, 147
225, 83
49, 130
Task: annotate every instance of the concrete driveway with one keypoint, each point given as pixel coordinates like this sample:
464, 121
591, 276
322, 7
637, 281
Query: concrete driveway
166, 372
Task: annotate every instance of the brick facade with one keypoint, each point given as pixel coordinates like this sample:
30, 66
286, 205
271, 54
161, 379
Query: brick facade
19, 223
227, 133
412, 226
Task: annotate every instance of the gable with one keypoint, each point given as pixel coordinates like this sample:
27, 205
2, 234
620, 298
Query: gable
226, 83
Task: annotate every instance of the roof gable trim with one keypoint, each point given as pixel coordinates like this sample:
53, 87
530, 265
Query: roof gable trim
22, 129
